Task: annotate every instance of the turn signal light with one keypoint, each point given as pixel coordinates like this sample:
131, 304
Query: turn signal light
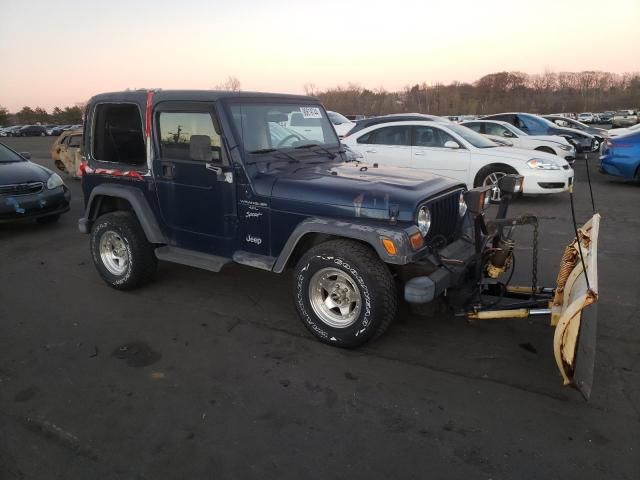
389, 246
417, 241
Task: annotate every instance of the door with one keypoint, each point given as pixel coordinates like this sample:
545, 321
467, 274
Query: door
387, 146
70, 153
429, 153
194, 183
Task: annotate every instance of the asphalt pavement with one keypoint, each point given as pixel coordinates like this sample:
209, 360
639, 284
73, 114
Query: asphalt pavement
212, 376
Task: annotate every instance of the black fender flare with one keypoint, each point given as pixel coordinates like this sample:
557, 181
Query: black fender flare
370, 234
138, 203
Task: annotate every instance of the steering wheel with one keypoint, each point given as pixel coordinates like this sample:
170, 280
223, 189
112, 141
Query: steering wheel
284, 140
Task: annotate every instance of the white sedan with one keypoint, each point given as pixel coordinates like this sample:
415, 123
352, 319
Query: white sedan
458, 152
543, 143
341, 123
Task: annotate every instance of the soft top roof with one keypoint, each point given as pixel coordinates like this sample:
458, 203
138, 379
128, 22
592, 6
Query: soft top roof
195, 95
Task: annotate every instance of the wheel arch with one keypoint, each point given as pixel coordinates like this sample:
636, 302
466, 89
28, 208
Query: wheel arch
489, 167
110, 197
315, 231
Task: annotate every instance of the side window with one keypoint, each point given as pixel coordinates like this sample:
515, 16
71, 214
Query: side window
75, 141
366, 138
476, 127
177, 130
495, 129
399, 135
431, 137
118, 134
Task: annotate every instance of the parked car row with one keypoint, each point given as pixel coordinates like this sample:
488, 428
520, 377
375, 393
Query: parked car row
36, 130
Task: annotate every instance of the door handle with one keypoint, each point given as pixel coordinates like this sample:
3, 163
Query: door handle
418, 153
167, 170
370, 151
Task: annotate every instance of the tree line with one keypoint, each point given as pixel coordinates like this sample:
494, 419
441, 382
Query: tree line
38, 115
550, 92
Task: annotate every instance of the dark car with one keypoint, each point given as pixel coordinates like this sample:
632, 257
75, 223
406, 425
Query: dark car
536, 125
206, 178
606, 117
31, 131
599, 133
29, 191
396, 117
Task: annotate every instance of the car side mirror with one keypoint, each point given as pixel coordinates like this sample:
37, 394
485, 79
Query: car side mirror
26, 155
200, 148
508, 134
451, 144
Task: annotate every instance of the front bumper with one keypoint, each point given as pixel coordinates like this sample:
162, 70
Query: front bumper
459, 255
537, 182
34, 205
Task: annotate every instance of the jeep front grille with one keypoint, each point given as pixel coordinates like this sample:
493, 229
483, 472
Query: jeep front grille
445, 219
21, 188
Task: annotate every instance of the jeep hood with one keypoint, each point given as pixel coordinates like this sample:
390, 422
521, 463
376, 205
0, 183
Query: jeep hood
356, 190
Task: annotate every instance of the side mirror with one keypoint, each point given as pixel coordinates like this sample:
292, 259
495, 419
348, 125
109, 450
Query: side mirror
451, 144
200, 148
508, 134
26, 155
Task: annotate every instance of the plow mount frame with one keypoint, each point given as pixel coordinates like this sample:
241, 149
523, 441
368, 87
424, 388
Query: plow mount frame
571, 306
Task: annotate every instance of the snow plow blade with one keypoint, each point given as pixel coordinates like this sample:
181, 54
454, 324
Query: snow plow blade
574, 309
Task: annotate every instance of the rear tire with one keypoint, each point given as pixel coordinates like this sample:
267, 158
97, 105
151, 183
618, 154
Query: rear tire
344, 294
490, 175
120, 251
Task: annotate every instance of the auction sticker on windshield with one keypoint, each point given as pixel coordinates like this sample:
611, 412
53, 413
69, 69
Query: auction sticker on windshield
310, 112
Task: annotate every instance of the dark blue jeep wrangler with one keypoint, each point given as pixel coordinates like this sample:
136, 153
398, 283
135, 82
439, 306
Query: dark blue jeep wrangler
204, 178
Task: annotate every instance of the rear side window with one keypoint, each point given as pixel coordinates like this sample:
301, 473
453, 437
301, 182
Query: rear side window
177, 128
118, 135
75, 141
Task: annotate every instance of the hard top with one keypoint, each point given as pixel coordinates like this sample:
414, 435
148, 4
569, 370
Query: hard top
195, 96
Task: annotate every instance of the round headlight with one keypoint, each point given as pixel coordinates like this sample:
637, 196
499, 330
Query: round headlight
424, 221
462, 205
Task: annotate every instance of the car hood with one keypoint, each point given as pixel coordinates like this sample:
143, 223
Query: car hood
22, 172
354, 189
514, 154
550, 138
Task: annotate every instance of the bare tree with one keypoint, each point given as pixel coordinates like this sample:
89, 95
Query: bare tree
231, 84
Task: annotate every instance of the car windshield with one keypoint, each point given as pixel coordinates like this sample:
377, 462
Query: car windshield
337, 119
472, 137
622, 112
270, 126
7, 155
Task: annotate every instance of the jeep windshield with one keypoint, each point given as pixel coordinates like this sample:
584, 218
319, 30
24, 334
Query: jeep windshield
268, 127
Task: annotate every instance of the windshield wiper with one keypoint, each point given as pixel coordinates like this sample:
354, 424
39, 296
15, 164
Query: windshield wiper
291, 158
329, 153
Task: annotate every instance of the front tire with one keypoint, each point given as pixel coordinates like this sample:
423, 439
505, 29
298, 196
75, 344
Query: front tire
490, 175
120, 251
344, 294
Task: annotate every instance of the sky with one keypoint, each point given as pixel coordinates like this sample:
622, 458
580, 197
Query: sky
58, 53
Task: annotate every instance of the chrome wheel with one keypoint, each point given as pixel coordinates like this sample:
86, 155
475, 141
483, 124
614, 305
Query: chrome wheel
492, 179
334, 297
114, 253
